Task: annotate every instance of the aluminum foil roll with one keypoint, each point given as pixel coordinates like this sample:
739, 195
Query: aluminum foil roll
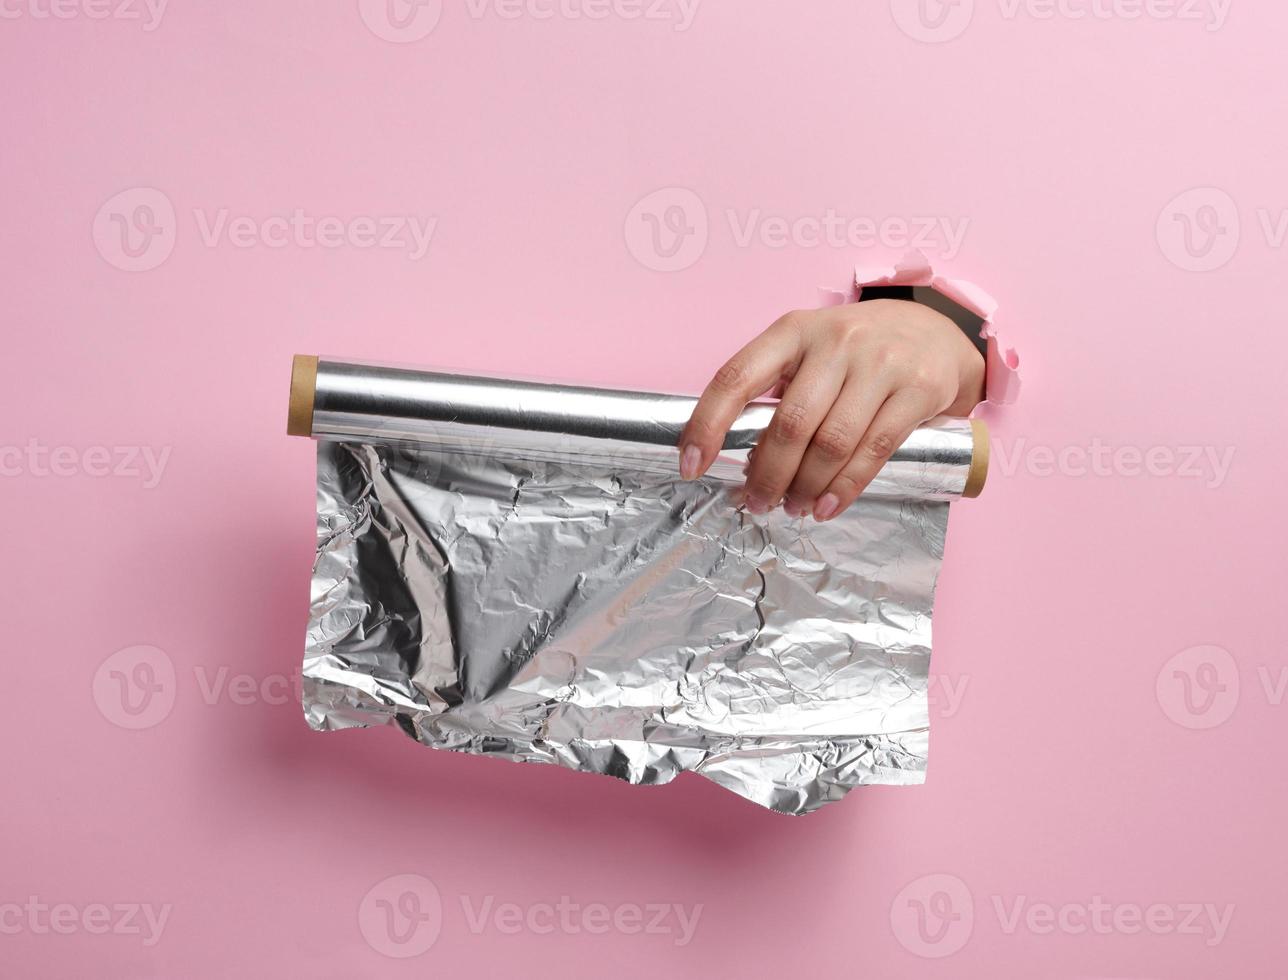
515, 569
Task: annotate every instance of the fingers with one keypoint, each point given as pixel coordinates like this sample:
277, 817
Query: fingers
898, 416
804, 405
834, 443
749, 373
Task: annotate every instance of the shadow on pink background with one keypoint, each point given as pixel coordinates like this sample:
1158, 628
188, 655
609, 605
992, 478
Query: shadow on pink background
625, 199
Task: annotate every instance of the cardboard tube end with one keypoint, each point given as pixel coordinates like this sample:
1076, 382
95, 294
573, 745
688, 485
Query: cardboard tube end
978, 472
304, 379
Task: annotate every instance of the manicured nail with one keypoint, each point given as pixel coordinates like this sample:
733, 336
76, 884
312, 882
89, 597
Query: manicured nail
690, 460
826, 506
757, 505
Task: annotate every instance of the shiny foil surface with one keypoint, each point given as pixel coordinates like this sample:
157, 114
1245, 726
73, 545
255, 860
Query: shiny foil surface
517, 570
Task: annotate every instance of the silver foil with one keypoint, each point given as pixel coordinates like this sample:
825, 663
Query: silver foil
516, 569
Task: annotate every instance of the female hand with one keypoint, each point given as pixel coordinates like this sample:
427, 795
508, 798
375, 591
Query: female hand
854, 381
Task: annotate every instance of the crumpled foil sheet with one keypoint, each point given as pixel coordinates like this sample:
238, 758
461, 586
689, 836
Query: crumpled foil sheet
496, 587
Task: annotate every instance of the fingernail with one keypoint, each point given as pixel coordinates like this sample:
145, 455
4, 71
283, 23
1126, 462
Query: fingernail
826, 506
690, 460
793, 508
757, 505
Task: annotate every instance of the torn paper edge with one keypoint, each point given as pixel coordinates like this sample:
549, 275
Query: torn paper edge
1002, 366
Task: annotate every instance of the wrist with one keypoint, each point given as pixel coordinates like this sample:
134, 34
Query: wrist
972, 382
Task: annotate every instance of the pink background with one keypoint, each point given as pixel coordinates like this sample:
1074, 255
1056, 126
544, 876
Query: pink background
1072, 767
